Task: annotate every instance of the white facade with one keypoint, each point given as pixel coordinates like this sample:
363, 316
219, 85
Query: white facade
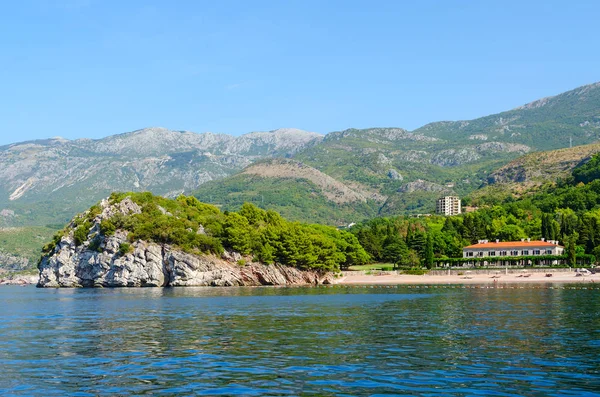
448, 205
512, 248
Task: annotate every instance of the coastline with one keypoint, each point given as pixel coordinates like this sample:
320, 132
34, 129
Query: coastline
19, 280
405, 279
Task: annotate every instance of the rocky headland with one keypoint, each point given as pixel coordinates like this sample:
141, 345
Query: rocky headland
102, 261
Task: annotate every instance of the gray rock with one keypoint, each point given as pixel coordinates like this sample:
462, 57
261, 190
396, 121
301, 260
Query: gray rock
394, 175
153, 265
13, 262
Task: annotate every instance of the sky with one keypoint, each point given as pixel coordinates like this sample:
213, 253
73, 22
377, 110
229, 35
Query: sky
89, 69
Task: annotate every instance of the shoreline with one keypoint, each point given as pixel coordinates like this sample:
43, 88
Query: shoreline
19, 280
405, 279
483, 279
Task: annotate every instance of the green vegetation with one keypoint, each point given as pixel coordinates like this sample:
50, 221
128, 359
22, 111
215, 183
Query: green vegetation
200, 228
294, 199
23, 244
457, 156
80, 234
125, 248
568, 211
548, 124
373, 266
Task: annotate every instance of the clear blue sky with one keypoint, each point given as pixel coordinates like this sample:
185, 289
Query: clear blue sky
91, 68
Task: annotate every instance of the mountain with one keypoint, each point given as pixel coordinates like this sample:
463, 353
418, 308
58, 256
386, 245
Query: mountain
548, 123
338, 178
526, 174
292, 188
403, 171
47, 180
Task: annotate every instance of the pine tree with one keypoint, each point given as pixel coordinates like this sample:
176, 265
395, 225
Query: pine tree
429, 252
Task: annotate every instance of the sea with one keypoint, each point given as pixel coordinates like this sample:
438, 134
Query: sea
450, 340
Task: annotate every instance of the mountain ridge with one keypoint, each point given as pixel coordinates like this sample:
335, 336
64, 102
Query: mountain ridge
398, 171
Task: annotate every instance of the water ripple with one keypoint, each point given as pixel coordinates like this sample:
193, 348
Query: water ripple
299, 341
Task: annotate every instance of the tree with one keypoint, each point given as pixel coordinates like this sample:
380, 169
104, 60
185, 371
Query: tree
571, 248
511, 233
588, 171
238, 233
429, 252
395, 253
416, 240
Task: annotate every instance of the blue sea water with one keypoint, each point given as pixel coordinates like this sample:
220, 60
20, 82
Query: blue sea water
336, 341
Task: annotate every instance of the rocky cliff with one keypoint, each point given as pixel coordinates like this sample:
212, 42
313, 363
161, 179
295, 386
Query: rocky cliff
111, 261
152, 265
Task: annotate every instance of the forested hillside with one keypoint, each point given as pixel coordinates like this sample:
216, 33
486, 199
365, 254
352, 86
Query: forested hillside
199, 228
568, 211
403, 172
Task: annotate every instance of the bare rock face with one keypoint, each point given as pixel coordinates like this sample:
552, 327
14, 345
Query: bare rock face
394, 175
153, 265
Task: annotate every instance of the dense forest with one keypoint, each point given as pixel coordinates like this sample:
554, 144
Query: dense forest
568, 211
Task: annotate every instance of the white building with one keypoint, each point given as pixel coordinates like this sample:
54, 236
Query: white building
448, 205
484, 248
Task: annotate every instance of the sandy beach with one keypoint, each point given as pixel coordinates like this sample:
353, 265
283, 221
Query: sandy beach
524, 278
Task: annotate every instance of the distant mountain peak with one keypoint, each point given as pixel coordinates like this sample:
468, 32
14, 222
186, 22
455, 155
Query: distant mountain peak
535, 104
579, 91
286, 131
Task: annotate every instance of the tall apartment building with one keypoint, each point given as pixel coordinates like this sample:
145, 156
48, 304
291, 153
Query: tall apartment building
448, 205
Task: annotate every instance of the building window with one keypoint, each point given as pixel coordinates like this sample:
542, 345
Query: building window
469, 253
503, 253
514, 253
536, 252
548, 252
492, 253
525, 252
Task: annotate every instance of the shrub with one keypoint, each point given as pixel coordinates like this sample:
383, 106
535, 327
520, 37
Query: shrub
80, 234
107, 227
125, 248
95, 244
49, 247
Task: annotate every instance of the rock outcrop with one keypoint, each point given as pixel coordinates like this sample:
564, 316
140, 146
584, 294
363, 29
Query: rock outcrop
8, 261
111, 261
18, 279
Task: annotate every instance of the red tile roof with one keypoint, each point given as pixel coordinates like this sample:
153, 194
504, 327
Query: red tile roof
514, 244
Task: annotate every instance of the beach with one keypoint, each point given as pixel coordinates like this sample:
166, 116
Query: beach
359, 278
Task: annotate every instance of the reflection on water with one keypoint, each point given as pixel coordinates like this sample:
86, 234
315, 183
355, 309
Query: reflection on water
299, 341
